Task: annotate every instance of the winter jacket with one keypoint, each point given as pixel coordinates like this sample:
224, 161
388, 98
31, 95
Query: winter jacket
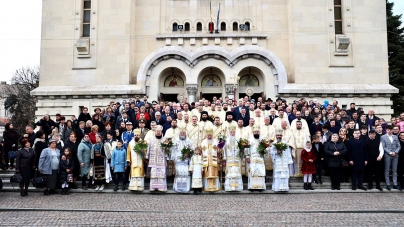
118, 160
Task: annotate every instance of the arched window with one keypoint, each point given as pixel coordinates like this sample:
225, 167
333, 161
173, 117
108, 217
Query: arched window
235, 26
223, 26
175, 27
199, 27
247, 26
187, 27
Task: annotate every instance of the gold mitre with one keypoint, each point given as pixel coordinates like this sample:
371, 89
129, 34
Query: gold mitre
183, 129
279, 132
232, 128
137, 131
209, 131
256, 128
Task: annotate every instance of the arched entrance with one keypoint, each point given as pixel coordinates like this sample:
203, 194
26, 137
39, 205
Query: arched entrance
211, 83
172, 84
251, 78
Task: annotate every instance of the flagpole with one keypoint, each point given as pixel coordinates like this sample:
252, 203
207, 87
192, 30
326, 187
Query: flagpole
217, 23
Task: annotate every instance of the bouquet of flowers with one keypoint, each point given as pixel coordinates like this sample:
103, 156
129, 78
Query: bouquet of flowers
140, 148
262, 147
211, 118
222, 140
242, 144
166, 145
186, 152
280, 147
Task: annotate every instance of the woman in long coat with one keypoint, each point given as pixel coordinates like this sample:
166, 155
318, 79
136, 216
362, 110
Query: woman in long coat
84, 157
25, 165
10, 137
335, 150
49, 166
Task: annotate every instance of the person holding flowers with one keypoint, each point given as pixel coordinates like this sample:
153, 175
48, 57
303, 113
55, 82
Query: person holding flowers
281, 158
181, 154
232, 160
135, 156
255, 162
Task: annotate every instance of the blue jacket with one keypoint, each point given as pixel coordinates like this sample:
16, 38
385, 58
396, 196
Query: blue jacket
118, 160
126, 138
45, 161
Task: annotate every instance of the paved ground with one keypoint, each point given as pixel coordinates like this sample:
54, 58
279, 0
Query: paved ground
107, 209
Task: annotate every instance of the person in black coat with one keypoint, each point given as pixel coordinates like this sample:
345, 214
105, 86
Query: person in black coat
335, 149
39, 145
73, 143
374, 166
10, 137
66, 167
25, 165
84, 115
358, 159
30, 134
80, 131
46, 125
319, 149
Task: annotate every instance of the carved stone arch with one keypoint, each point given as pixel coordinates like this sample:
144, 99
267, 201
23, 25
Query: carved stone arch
191, 58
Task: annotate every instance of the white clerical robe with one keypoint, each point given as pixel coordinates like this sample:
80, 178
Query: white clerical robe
194, 133
217, 130
226, 125
157, 163
280, 180
304, 125
234, 181
182, 179
136, 173
278, 122
301, 137
256, 167
196, 167
172, 133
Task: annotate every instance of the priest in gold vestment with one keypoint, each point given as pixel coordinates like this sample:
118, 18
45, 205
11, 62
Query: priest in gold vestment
210, 162
135, 162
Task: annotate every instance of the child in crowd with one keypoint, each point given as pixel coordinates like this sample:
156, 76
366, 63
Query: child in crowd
196, 167
119, 164
308, 165
66, 166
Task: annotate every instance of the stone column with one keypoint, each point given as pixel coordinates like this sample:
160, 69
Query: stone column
230, 90
191, 89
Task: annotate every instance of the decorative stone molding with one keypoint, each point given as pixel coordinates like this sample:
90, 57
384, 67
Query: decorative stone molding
192, 89
230, 88
230, 57
208, 36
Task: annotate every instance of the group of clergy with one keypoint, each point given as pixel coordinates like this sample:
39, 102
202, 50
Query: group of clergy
210, 162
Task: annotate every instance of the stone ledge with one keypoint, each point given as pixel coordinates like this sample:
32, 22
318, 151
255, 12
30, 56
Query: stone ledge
93, 90
224, 35
338, 89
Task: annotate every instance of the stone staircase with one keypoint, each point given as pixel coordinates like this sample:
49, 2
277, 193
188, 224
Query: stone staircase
295, 184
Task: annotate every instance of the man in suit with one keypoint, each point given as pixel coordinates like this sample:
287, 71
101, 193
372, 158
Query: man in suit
326, 134
243, 116
272, 116
371, 118
315, 126
391, 147
358, 159
80, 131
375, 156
159, 120
319, 149
237, 110
167, 112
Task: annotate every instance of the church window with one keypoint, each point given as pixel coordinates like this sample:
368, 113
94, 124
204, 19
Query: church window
223, 26
235, 26
175, 27
86, 18
247, 26
338, 16
187, 28
199, 27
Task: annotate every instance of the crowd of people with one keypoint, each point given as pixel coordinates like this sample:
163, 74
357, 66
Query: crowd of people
202, 143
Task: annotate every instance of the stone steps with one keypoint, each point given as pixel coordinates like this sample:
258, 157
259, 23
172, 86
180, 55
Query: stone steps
295, 184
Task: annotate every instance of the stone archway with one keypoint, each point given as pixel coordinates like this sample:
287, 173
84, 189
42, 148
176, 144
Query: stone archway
230, 57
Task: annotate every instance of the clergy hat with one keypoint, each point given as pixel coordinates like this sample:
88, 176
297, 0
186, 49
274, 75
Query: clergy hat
209, 131
279, 132
232, 128
229, 113
183, 129
136, 131
204, 112
256, 128
159, 128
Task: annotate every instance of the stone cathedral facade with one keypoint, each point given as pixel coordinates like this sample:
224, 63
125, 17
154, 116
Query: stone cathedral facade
96, 51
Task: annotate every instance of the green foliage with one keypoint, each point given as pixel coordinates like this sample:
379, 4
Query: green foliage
395, 37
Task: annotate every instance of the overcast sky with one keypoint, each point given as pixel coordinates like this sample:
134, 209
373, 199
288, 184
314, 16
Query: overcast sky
20, 34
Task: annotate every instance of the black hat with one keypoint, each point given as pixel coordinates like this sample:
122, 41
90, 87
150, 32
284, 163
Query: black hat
229, 113
97, 109
269, 100
154, 102
279, 98
204, 112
